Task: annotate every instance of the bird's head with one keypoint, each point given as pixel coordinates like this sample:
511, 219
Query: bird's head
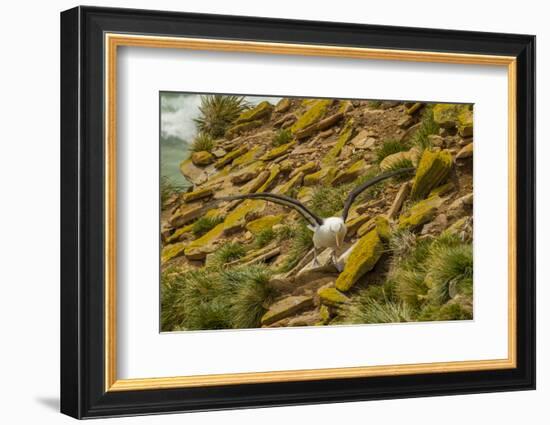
337, 226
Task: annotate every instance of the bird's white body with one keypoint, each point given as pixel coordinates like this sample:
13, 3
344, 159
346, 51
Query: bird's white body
330, 234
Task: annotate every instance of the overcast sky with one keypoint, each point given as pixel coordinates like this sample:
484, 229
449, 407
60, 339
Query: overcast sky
179, 109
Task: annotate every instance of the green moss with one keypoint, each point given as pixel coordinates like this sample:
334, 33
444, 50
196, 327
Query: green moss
315, 112
331, 296
420, 213
345, 135
261, 111
242, 128
433, 169
362, 259
454, 115
263, 223
278, 151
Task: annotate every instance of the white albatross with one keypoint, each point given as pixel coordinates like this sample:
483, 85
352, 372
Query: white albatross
327, 232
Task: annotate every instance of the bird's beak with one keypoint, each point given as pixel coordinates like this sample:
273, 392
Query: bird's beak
339, 240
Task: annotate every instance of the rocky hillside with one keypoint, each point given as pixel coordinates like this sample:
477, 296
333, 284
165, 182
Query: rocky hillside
407, 255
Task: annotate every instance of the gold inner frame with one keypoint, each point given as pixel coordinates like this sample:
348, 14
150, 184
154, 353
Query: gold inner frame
113, 41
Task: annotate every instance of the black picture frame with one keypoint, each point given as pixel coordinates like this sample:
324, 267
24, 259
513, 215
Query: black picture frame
82, 212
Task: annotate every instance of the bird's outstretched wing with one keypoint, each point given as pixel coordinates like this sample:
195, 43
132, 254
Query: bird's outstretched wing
359, 189
310, 216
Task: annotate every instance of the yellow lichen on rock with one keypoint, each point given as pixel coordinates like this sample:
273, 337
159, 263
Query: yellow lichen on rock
263, 223
198, 194
274, 172
331, 296
248, 157
345, 135
278, 151
293, 183
420, 213
315, 112
383, 227
454, 116
172, 251
242, 128
357, 169
362, 259
325, 174
223, 161
202, 158
433, 169
261, 111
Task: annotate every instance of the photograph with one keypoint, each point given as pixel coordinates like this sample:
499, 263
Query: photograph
280, 211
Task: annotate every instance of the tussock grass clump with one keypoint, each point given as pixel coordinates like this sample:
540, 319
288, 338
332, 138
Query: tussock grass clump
264, 237
205, 224
428, 279
251, 295
427, 127
167, 189
374, 104
450, 272
229, 251
389, 147
217, 112
301, 243
430, 272
202, 142
212, 298
282, 137
365, 309
326, 201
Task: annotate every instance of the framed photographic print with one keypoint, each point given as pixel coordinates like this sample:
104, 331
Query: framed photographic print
261, 212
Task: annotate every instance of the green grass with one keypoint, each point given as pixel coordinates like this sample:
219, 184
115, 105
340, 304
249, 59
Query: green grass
427, 127
167, 189
264, 237
210, 298
282, 137
205, 224
389, 147
217, 112
326, 201
202, 142
450, 272
374, 104
428, 280
228, 252
301, 243
365, 309
251, 295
